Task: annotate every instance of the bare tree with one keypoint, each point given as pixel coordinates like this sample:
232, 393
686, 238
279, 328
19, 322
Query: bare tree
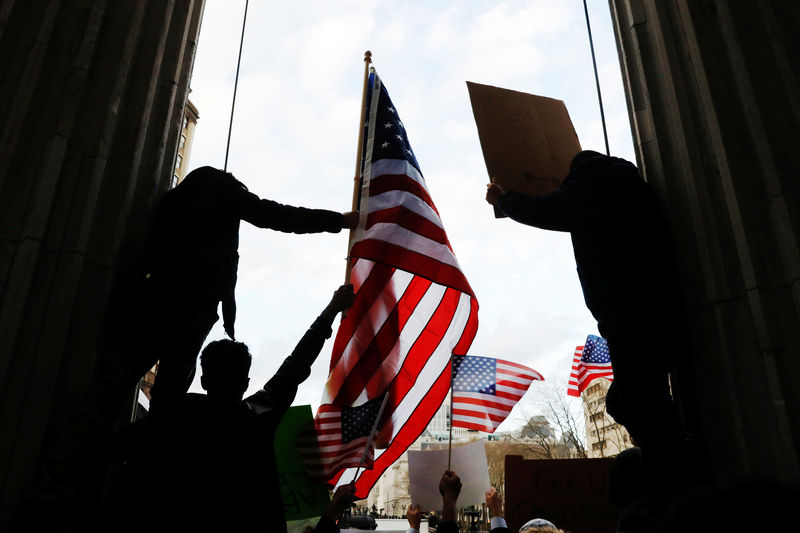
558, 433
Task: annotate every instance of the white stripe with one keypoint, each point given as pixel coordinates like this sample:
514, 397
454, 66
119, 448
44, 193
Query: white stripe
410, 240
384, 167
485, 422
482, 397
511, 390
506, 369
366, 331
405, 340
412, 202
523, 381
479, 408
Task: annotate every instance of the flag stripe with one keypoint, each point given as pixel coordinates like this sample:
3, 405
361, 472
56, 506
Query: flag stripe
409, 220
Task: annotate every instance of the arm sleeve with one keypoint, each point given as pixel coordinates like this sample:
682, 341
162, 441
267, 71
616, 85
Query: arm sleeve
279, 392
286, 218
326, 525
498, 521
556, 211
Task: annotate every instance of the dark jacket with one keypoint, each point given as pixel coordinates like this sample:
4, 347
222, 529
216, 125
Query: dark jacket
192, 249
206, 467
620, 238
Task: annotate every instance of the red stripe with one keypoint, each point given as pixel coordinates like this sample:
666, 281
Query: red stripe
399, 182
405, 259
429, 403
369, 291
409, 220
466, 400
371, 359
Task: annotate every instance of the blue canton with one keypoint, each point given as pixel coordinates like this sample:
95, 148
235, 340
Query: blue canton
357, 421
474, 374
391, 140
595, 350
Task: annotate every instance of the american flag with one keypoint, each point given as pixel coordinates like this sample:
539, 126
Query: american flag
413, 305
338, 438
590, 361
486, 389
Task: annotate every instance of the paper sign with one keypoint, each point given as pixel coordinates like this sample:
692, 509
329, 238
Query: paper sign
302, 498
425, 468
528, 141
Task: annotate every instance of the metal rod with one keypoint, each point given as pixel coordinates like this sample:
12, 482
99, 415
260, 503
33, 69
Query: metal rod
450, 440
359, 160
371, 435
596, 77
235, 86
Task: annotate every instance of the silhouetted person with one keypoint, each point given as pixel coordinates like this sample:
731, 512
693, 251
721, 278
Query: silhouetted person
624, 256
190, 266
207, 463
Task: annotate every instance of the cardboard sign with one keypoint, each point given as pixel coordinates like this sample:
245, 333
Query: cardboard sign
571, 493
425, 468
302, 498
528, 141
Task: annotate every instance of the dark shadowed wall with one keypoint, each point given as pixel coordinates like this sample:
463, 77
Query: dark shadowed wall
714, 103
91, 98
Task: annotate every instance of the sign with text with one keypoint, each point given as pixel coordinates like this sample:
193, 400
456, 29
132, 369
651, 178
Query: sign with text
302, 498
528, 141
571, 493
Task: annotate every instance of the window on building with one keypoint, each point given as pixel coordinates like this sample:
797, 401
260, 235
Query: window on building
182, 142
175, 179
185, 122
597, 416
599, 445
178, 162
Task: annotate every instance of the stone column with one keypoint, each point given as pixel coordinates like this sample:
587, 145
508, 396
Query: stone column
714, 101
91, 98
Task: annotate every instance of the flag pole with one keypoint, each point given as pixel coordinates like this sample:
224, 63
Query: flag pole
359, 150
371, 435
450, 440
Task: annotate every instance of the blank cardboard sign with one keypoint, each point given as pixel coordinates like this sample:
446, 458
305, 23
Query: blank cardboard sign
528, 141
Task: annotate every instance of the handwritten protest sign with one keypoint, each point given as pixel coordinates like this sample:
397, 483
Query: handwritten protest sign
425, 468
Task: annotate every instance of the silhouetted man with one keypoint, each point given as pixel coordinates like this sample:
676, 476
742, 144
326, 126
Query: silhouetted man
189, 267
624, 255
207, 463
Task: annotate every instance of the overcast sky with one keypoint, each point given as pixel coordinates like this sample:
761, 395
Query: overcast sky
294, 141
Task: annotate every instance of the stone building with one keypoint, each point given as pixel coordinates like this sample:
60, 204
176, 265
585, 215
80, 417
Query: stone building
604, 437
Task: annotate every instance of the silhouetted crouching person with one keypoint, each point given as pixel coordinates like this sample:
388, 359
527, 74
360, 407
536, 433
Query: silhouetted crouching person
190, 266
207, 463
623, 252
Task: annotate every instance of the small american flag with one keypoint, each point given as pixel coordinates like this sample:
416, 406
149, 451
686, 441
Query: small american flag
338, 438
486, 389
590, 361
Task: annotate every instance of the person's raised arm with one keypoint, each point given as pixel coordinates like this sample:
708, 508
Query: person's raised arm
494, 502
449, 488
279, 392
414, 517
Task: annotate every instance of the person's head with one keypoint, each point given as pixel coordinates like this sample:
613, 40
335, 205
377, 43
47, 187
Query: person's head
226, 366
539, 525
582, 157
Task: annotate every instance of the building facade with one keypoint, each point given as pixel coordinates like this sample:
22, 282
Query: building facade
604, 436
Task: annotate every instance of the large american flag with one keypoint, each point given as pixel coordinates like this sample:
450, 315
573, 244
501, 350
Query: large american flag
413, 305
591, 361
486, 389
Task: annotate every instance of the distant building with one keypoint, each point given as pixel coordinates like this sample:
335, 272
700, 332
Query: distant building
190, 118
604, 437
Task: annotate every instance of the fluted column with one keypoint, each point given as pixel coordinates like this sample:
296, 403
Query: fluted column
91, 99
714, 101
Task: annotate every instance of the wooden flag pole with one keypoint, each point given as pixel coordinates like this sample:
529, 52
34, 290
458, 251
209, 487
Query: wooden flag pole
371, 435
450, 440
359, 150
